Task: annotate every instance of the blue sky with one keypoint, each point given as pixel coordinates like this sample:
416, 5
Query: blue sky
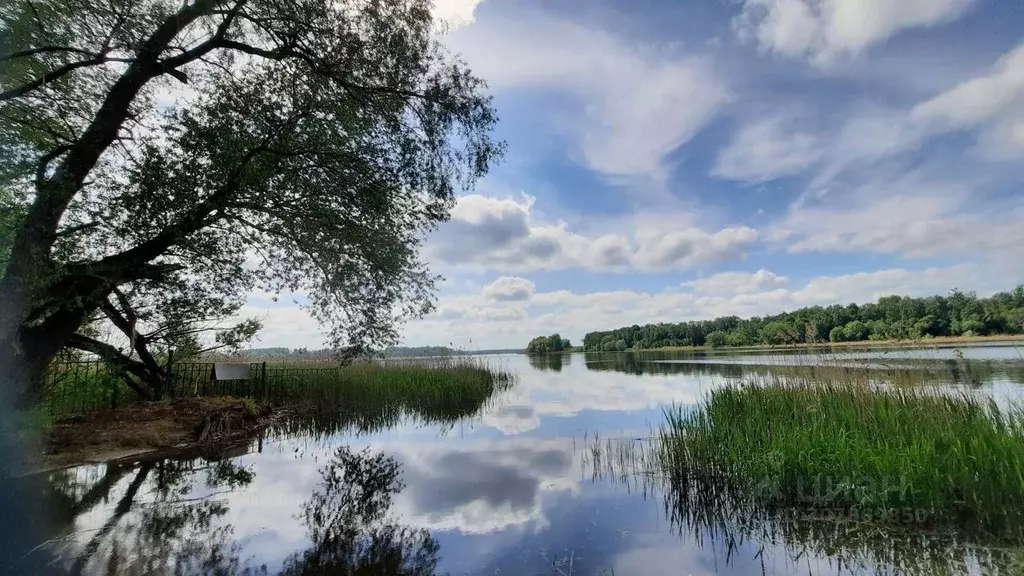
680, 160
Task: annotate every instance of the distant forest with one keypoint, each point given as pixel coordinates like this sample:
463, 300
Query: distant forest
891, 318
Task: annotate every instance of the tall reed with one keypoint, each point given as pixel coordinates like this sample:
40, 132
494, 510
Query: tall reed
947, 458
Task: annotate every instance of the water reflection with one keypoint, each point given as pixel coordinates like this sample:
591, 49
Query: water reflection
904, 370
709, 513
168, 519
553, 362
508, 483
348, 526
158, 524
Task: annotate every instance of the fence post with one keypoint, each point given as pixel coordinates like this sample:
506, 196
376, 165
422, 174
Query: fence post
263, 379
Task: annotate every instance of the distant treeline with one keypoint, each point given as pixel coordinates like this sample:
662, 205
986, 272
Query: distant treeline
281, 351
891, 318
404, 351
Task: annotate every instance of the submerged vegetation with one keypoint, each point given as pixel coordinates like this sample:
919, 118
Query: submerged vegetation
891, 318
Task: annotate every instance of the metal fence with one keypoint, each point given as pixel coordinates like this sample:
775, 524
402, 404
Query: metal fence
80, 386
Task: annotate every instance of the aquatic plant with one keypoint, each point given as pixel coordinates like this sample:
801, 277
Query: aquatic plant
947, 458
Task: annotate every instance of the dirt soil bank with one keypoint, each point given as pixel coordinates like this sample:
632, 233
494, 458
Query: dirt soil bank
179, 424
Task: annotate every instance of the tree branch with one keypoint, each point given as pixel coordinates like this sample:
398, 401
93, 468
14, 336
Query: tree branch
50, 77
213, 42
76, 229
45, 49
114, 356
126, 320
36, 236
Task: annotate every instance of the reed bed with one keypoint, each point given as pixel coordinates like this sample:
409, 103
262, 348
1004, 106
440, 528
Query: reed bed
428, 382
370, 397
948, 458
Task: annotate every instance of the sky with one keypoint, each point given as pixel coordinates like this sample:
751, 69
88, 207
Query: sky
672, 161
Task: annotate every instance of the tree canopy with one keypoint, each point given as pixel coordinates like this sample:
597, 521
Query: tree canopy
890, 318
186, 153
545, 344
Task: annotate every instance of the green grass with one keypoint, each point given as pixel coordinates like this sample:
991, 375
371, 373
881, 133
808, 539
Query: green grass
957, 459
81, 387
368, 397
439, 388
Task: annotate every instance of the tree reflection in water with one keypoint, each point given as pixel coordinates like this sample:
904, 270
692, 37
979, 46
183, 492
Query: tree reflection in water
552, 361
348, 525
169, 520
822, 368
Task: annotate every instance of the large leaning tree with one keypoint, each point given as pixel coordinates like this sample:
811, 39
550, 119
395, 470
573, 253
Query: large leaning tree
201, 149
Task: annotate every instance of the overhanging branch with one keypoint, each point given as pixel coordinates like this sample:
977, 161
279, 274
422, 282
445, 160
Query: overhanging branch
115, 357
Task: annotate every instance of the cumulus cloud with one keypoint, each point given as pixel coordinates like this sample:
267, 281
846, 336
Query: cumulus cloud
617, 128
509, 289
738, 282
456, 13
824, 31
680, 249
573, 313
502, 234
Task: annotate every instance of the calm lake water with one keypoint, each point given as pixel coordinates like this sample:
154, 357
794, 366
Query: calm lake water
515, 489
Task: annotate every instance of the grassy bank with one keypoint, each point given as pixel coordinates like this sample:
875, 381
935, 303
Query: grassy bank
920, 342
81, 387
290, 399
956, 460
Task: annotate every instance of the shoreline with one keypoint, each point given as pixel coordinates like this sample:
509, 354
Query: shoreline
917, 343
169, 428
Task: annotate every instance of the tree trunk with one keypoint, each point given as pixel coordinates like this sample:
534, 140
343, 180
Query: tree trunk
22, 370
26, 350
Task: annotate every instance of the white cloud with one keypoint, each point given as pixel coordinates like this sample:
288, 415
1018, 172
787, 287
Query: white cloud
633, 105
824, 31
509, 289
993, 101
784, 145
765, 150
738, 282
911, 216
456, 13
502, 234
857, 140
661, 250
